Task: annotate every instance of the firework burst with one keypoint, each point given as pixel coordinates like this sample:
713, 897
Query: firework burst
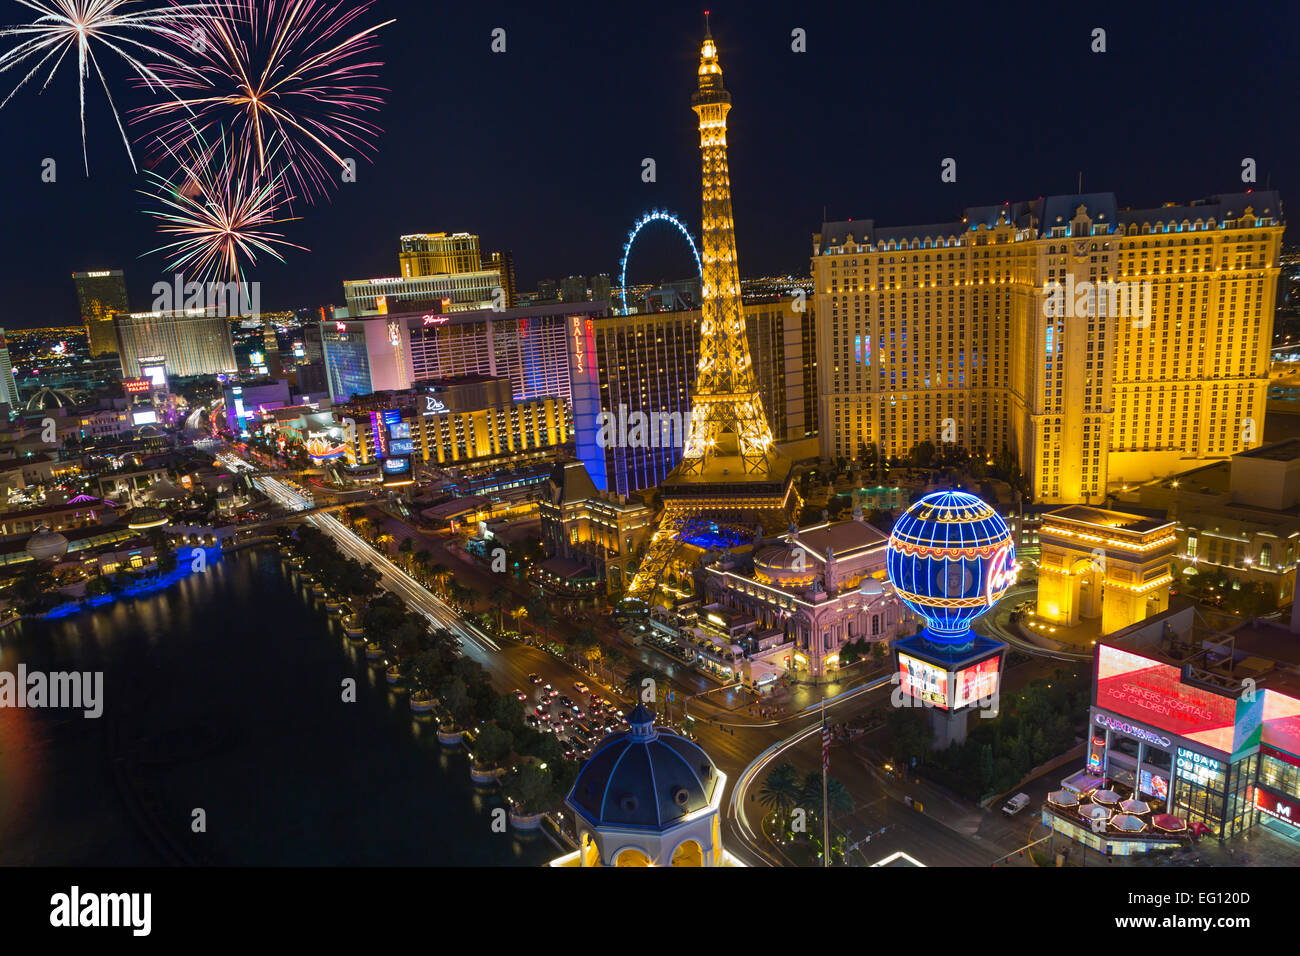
221, 211
288, 75
67, 25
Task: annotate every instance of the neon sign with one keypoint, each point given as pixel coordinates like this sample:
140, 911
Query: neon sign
1002, 574
1198, 766
432, 405
579, 355
435, 319
1277, 808
1132, 730
340, 326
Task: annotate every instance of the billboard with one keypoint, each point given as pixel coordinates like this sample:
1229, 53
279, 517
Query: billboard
1154, 693
1279, 808
146, 417
977, 682
924, 682
1155, 785
157, 374
1281, 722
134, 386
397, 471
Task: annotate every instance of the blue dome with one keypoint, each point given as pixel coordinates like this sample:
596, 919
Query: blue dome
644, 778
950, 558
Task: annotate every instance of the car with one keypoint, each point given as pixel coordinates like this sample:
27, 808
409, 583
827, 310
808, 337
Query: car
577, 712
520, 695
534, 678
547, 689
1015, 804
565, 700
581, 688
532, 721
566, 717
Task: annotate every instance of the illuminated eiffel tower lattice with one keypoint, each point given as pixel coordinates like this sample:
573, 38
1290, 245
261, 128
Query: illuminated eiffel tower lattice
731, 475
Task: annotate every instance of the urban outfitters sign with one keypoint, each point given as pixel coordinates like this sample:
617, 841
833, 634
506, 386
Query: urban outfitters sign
1199, 767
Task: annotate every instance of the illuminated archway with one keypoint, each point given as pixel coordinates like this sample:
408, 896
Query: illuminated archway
689, 854
631, 856
655, 215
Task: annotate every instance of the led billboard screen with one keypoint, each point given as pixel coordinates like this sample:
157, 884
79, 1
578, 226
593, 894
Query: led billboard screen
924, 682
977, 682
1281, 722
1153, 693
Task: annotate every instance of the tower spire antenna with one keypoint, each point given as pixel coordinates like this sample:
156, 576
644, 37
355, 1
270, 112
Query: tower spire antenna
708, 32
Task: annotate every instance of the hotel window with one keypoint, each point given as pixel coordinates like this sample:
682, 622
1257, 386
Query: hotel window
1265, 555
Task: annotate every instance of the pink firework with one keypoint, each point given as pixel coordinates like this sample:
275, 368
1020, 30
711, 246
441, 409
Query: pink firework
219, 213
287, 77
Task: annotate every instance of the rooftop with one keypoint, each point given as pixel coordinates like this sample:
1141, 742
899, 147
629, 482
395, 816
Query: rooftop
1115, 520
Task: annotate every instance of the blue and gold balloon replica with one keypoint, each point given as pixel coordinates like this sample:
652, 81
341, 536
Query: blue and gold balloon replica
950, 558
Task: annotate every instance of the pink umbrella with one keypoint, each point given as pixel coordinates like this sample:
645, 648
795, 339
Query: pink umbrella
1168, 822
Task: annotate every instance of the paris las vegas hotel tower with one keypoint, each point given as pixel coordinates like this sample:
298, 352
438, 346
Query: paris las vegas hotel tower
980, 332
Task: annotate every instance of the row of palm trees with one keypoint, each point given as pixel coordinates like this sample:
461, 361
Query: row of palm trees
583, 646
785, 790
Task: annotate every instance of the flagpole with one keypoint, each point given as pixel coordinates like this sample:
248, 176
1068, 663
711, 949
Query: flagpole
826, 819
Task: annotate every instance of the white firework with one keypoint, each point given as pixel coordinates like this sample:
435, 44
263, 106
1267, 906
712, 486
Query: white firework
67, 25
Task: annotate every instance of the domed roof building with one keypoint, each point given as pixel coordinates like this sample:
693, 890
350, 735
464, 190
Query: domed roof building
48, 397
141, 519
648, 797
46, 545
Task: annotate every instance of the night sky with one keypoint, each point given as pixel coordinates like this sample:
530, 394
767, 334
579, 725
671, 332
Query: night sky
539, 149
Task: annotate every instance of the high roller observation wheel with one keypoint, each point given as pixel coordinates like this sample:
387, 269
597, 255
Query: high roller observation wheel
655, 215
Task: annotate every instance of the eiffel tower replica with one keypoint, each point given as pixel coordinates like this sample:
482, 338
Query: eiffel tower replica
732, 481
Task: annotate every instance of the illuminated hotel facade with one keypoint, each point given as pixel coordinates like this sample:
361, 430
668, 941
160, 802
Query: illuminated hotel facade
191, 342
993, 332
530, 346
623, 365
100, 295
594, 363
465, 421
437, 253
438, 273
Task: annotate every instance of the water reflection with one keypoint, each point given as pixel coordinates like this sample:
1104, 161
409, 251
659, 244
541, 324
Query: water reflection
220, 693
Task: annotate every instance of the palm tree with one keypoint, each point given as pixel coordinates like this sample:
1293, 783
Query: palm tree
497, 596
544, 618
519, 614
383, 540
422, 559
405, 549
839, 798
782, 791
439, 573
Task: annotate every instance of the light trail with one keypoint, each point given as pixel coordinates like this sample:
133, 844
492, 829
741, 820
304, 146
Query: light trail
736, 808
393, 577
